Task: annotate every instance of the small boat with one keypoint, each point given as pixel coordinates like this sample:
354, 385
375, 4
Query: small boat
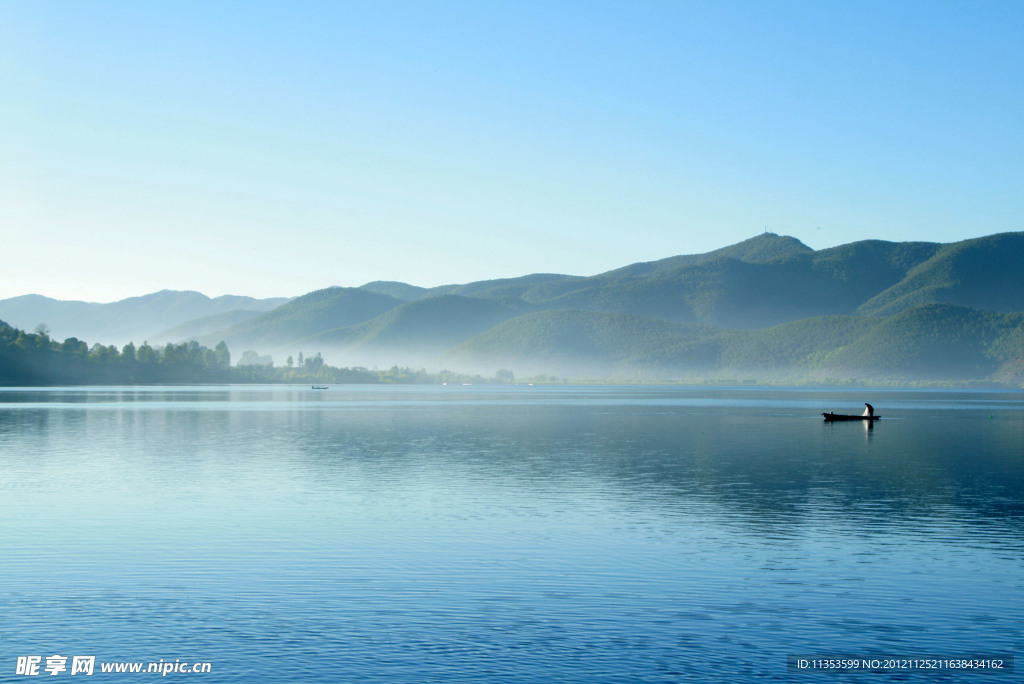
869, 414
832, 417
319, 387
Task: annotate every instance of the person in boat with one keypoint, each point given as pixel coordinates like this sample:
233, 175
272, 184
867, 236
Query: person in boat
869, 411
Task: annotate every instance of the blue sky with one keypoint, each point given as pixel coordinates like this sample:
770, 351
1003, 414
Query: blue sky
275, 148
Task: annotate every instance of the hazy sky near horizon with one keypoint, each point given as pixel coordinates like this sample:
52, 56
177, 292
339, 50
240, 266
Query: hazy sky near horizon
272, 148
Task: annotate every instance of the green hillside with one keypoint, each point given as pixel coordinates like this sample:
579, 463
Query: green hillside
425, 326
931, 342
872, 264
984, 273
529, 288
793, 348
396, 290
728, 292
758, 249
576, 341
760, 282
203, 327
308, 315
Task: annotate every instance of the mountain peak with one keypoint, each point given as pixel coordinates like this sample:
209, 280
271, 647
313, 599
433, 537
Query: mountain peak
758, 249
395, 289
763, 247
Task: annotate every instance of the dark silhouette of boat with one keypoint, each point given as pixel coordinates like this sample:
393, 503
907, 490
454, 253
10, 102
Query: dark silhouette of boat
869, 414
833, 417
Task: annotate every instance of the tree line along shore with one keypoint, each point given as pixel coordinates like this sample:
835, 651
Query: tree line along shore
34, 359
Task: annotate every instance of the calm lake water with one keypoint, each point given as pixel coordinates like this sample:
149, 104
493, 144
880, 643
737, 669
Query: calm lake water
516, 534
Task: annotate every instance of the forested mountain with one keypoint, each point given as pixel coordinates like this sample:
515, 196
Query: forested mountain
135, 318
304, 316
760, 282
415, 331
768, 307
985, 273
931, 342
396, 290
758, 249
203, 327
530, 288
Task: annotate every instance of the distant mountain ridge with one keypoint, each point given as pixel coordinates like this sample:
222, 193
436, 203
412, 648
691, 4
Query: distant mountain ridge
305, 316
749, 307
132, 319
205, 326
931, 342
985, 273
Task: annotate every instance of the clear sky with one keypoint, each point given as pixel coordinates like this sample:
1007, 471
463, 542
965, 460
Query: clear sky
273, 148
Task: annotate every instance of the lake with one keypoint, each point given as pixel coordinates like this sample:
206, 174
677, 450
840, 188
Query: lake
508, 534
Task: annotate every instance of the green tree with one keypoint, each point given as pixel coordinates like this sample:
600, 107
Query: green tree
146, 354
222, 355
172, 354
103, 353
75, 346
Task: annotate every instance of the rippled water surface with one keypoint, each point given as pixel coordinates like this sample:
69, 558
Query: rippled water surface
517, 534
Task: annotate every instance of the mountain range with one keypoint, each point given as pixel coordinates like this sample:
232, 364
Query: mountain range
160, 317
767, 307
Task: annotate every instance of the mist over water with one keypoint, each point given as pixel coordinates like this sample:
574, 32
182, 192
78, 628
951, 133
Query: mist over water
513, 534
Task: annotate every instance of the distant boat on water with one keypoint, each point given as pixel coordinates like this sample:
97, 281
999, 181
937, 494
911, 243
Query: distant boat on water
834, 417
319, 387
869, 414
